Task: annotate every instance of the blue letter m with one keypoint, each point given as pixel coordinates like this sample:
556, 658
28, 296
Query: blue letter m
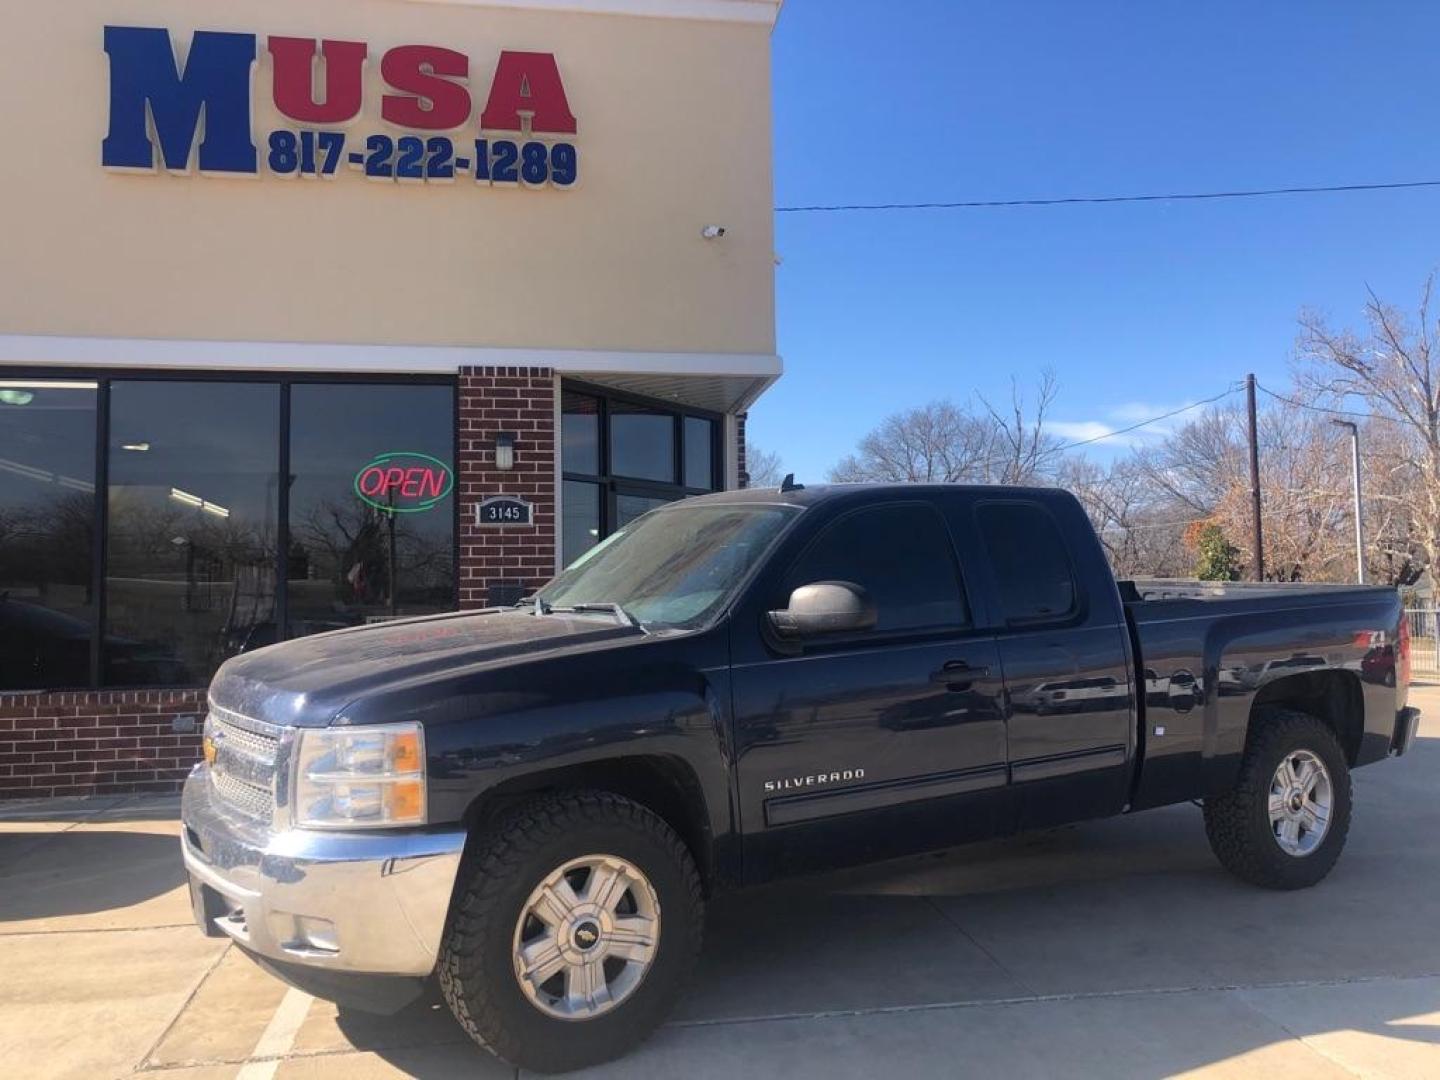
144, 73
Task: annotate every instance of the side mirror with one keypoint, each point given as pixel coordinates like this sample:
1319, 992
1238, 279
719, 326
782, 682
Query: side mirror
825, 607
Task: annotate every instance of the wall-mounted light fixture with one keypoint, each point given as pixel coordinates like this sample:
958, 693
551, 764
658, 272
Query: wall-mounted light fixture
505, 450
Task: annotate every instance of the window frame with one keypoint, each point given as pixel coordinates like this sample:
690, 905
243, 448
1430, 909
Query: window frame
612, 485
284, 380
970, 625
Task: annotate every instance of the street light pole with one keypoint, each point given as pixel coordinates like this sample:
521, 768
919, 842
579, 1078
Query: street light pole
1355, 481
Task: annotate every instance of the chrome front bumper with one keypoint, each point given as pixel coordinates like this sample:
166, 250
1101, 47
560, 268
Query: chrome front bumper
365, 902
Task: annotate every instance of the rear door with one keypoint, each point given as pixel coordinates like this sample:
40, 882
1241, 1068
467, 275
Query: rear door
1065, 652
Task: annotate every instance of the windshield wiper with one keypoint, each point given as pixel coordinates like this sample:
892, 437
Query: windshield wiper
617, 610
541, 605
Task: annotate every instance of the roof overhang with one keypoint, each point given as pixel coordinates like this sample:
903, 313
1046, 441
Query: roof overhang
719, 382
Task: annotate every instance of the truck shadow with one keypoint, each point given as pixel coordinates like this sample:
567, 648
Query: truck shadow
54, 875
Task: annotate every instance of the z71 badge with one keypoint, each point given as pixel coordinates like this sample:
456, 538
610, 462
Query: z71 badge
791, 783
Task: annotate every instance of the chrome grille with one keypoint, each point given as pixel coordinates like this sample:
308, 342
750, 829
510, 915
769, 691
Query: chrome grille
252, 801
247, 752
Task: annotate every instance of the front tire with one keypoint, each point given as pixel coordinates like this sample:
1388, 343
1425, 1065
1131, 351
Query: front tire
1284, 823
578, 919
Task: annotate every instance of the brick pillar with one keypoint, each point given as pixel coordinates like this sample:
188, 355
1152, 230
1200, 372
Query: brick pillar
500, 564
744, 477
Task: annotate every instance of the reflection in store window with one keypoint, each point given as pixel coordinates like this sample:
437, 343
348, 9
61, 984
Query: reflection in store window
580, 432
699, 449
642, 442
630, 507
192, 518
356, 451
47, 523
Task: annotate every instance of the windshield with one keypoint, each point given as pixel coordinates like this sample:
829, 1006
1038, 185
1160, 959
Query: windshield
673, 567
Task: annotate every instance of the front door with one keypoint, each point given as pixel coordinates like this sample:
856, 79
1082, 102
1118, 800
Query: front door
874, 744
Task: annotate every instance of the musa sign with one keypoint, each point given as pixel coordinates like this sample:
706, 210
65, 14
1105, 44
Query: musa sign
156, 105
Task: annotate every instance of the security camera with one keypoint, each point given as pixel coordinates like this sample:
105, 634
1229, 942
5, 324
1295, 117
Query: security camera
713, 232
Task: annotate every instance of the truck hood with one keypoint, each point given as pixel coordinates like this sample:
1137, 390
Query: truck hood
307, 682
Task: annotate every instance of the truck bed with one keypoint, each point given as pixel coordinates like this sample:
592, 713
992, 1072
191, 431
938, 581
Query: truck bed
1207, 653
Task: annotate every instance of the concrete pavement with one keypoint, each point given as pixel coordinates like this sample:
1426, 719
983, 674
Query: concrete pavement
1110, 949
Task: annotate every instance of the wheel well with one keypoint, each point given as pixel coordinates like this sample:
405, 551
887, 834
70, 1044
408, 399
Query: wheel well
665, 785
1332, 696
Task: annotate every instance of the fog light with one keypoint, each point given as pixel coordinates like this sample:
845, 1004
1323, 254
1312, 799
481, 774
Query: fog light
316, 933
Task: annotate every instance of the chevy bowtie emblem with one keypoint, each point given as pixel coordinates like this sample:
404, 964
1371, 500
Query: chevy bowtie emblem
209, 747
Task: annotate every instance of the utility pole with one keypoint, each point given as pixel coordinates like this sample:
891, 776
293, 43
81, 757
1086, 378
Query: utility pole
1259, 556
1355, 481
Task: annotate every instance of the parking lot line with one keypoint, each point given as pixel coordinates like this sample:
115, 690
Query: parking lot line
278, 1037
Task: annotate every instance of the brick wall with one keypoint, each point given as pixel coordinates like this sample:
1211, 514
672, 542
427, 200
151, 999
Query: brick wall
498, 565
740, 450
106, 742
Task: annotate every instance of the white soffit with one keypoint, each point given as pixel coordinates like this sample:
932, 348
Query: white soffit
715, 393
763, 12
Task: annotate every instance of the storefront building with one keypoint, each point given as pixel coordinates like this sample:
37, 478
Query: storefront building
318, 315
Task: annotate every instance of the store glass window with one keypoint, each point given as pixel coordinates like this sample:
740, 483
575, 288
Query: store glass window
192, 518
630, 507
580, 530
372, 508
642, 442
624, 457
580, 432
47, 529
699, 453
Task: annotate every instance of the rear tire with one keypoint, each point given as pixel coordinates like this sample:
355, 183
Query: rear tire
525, 895
1284, 823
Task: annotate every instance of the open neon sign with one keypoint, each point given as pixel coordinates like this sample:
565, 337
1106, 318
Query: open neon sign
404, 482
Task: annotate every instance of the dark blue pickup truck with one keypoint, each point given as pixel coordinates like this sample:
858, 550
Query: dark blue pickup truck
534, 803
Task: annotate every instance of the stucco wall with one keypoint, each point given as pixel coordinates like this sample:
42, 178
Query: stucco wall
674, 134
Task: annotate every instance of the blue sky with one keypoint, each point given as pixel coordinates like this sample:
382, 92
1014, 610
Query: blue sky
1137, 308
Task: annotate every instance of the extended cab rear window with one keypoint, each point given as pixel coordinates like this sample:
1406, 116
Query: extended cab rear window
1030, 561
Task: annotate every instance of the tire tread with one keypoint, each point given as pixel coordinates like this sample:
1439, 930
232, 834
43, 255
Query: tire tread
1230, 819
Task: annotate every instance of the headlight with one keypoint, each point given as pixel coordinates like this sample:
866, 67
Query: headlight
360, 777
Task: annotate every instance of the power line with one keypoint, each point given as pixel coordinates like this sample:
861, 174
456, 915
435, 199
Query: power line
1233, 388
1326, 409
1074, 200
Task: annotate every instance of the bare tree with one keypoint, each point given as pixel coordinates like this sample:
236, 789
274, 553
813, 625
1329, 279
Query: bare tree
763, 467
1393, 368
1024, 452
943, 443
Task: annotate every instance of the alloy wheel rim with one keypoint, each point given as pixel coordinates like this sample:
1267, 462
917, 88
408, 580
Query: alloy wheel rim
586, 937
1301, 800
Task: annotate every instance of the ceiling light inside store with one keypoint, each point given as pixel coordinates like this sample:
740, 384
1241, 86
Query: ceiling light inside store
140, 446
16, 397
17, 384
195, 500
